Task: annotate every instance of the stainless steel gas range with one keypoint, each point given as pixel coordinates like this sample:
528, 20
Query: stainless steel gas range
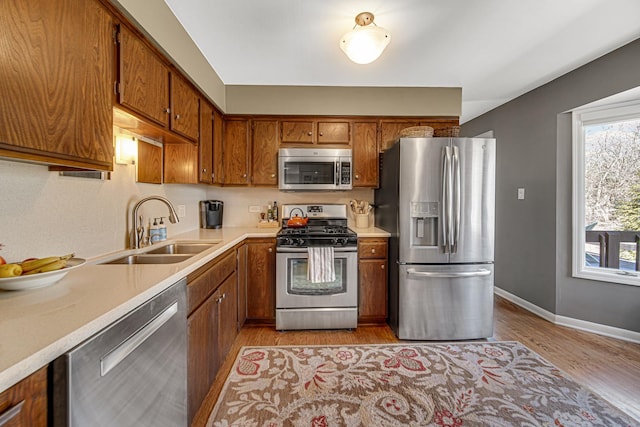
303, 301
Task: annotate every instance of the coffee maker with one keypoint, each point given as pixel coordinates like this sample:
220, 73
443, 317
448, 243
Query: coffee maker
211, 213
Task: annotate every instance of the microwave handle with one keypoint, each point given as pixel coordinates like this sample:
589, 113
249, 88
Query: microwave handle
338, 176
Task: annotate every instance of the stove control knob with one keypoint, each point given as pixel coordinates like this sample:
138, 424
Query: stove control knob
334, 241
299, 242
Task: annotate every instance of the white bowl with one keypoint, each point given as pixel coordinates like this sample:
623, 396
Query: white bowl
39, 280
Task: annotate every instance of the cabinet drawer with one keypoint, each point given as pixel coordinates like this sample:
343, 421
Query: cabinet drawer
372, 249
204, 281
25, 404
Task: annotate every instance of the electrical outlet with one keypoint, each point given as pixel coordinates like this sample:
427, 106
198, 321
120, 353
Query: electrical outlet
520, 193
255, 209
182, 211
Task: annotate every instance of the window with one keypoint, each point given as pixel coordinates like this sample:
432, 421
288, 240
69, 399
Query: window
606, 193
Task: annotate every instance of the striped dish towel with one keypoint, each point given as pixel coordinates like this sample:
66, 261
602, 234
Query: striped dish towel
320, 267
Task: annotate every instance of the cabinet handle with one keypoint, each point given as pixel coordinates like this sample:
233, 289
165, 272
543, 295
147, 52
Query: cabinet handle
244, 175
177, 116
382, 267
167, 110
10, 414
357, 176
270, 249
373, 251
204, 170
309, 133
273, 175
321, 133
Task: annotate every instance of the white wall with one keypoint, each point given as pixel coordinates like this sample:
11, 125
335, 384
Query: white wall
42, 213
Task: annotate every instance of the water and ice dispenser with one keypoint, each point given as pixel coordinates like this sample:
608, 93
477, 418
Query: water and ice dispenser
424, 223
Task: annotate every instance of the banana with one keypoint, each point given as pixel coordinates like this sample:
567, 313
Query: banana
52, 266
35, 264
10, 270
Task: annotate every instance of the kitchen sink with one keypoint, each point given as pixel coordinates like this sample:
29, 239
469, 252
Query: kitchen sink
183, 248
151, 259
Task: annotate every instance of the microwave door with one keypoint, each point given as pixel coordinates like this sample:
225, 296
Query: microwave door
309, 174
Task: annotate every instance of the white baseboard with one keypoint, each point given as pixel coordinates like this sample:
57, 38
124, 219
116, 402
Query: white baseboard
596, 328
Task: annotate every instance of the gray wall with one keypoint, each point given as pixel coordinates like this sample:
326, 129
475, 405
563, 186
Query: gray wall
533, 236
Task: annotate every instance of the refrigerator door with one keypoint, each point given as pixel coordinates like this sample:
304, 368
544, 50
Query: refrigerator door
473, 202
445, 302
422, 218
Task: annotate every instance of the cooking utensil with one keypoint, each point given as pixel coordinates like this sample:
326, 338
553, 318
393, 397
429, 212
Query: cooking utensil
297, 221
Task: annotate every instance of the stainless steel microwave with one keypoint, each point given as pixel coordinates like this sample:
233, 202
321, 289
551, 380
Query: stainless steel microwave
301, 169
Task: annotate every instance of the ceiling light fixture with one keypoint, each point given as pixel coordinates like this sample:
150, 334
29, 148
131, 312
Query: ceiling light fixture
366, 41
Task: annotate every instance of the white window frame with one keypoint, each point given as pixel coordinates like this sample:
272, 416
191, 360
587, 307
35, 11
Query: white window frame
580, 118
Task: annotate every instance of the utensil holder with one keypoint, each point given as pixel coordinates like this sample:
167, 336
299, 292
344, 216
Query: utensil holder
362, 220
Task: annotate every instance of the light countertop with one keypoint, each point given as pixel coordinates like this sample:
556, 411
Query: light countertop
38, 325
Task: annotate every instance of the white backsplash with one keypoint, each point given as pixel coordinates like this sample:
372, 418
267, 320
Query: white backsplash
237, 201
43, 213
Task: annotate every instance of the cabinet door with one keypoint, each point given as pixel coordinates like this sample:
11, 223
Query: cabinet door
241, 268
261, 277
180, 163
296, 132
184, 108
227, 316
31, 394
218, 137
149, 165
202, 361
144, 79
264, 152
372, 275
235, 154
56, 81
365, 154
390, 131
205, 146
334, 132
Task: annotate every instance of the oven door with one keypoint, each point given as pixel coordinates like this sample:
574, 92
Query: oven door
293, 290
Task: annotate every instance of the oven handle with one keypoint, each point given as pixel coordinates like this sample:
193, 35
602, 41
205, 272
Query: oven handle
298, 250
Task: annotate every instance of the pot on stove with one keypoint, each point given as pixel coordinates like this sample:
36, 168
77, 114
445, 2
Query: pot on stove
297, 221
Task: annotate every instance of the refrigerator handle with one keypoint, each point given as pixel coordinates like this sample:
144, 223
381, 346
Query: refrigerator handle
446, 155
456, 201
411, 272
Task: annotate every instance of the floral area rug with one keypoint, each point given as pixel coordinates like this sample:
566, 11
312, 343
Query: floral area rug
453, 385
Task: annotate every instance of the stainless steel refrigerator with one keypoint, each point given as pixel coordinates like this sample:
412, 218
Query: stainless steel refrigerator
437, 199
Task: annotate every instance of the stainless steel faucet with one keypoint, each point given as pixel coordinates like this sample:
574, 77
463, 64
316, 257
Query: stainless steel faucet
138, 229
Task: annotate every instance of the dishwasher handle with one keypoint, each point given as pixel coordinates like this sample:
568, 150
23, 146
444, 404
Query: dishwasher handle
447, 274
128, 346
10, 414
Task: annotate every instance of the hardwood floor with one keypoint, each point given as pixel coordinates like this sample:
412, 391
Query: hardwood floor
607, 366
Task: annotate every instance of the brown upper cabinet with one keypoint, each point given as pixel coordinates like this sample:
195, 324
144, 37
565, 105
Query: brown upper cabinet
315, 131
143, 84
56, 83
365, 154
235, 153
264, 152
184, 108
205, 147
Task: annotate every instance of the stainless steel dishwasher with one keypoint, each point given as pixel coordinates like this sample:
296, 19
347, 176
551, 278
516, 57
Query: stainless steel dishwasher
133, 373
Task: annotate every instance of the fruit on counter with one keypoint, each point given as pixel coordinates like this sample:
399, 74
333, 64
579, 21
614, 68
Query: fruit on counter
2, 261
10, 270
41, 265
52, 266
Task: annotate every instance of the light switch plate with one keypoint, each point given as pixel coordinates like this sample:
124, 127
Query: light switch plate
520, 193
182, 211
254, 209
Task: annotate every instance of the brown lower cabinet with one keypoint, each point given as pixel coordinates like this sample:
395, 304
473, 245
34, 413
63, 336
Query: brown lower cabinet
261, 276
372, 280
212, 293
25, 404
